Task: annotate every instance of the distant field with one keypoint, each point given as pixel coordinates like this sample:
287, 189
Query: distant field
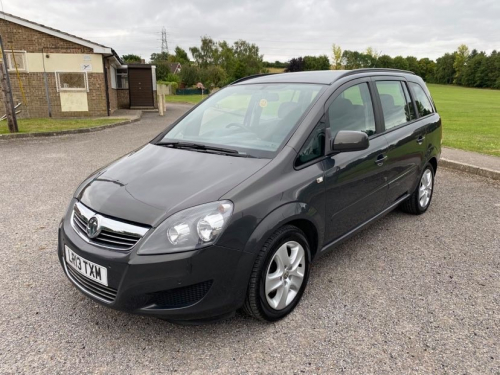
471, 117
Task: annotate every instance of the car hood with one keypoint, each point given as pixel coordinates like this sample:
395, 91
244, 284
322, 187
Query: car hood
152, 183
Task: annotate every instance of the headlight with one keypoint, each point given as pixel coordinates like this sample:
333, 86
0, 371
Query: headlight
190, 229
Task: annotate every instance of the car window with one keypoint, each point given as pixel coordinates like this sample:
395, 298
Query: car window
424, 105
394, 104
314, 147
409, 109
254, 119
352, 110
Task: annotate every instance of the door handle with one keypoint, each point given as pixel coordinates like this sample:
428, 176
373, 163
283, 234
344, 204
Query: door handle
380, 159
420, 139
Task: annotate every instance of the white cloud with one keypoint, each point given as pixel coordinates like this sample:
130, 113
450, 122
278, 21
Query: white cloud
281, 28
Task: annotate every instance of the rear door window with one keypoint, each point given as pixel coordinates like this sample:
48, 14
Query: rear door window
395, 105
424, 105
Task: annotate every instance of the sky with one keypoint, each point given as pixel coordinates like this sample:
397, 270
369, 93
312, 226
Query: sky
282, 29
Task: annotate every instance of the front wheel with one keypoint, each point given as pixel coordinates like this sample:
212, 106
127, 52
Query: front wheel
421, 198
279, 275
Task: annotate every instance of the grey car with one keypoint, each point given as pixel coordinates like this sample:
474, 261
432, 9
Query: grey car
228, 207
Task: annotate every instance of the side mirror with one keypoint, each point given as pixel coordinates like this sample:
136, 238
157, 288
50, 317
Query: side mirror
347, 140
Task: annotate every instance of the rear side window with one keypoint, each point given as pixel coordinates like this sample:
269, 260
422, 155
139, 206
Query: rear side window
395, 106
352, 110
424, 105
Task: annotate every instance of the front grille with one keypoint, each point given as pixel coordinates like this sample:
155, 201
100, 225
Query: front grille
105, 293
181, 297
111, 234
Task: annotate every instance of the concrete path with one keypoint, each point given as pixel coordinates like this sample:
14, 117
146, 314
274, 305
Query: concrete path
471, 162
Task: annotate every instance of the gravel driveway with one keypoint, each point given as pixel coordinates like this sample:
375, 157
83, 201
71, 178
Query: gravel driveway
408, 295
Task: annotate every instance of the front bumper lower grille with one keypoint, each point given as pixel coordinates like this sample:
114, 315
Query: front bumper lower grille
95, 289
181, 297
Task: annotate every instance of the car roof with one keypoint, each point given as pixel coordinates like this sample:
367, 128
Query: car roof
324, 77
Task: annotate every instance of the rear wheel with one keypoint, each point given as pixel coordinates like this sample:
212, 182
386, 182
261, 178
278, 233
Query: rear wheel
421, 198
279, 275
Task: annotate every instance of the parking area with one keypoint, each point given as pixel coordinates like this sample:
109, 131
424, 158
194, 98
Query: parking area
408, 295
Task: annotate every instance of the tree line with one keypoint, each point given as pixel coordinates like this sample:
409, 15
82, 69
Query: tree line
217, 63
462, 67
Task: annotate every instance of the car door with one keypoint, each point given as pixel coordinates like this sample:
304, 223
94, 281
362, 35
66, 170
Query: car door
405, 136
355, 182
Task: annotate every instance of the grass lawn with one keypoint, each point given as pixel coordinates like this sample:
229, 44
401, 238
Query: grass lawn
37, 125
195, 99
471, 117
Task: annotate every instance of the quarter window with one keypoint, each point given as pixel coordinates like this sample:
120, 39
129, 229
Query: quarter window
395, 106
409, 109
352, 110
424, 105
314, 147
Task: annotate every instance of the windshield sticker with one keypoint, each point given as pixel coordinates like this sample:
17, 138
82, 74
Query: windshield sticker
263, 103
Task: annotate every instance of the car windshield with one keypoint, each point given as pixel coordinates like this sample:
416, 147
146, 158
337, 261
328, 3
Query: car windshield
254, 119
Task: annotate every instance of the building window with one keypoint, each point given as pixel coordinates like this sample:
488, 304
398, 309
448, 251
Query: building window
16, 59
69, 81
122, 78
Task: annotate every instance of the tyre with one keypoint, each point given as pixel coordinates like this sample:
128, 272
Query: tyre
421, 198
279, 275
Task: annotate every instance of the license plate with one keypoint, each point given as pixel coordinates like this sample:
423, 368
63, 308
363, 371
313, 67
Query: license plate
86, 267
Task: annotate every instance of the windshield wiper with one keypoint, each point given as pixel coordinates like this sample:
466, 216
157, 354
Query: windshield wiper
205, 148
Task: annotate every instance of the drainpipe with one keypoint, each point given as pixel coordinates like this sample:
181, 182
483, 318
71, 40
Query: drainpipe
46, 83
106, 85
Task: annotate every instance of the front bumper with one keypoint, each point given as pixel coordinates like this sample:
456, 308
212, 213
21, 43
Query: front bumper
193, 285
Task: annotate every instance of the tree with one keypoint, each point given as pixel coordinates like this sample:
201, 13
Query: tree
316, 63
295, 65
372, 53
181, 55
159, 57
399, 62
413, 65
445, 72
247, 55
384, 61
427, 69
207, 54
131, 58
190, 75
461, 57
337, 57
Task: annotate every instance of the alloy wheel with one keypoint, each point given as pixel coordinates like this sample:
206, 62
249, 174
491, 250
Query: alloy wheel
425, 189
285, 275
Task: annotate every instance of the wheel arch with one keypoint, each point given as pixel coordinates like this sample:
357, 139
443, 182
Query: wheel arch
295, 213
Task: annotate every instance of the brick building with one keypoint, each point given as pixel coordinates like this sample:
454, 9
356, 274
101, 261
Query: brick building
63, 75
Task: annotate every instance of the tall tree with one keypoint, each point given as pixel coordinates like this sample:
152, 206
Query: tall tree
159, 57
336, 57
461, 56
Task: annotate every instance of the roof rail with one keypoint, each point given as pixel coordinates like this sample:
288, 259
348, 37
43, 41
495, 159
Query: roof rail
250, 77
370, 70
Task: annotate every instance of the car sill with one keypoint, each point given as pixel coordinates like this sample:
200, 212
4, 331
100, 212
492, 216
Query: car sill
332, 244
